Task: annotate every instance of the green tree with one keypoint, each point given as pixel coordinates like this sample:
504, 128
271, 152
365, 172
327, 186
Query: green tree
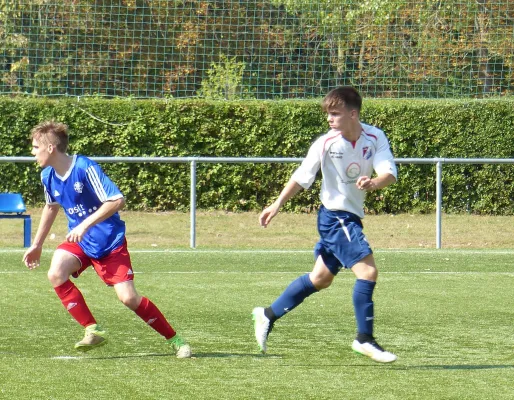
223, 81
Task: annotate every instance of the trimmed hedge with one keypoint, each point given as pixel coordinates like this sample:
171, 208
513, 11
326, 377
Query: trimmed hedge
173, 128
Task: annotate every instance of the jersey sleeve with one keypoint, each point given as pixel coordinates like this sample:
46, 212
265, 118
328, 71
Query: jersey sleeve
305, 174
49, 197
383, 163
102, 186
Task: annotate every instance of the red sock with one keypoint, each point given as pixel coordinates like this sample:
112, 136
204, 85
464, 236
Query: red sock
74, 302
149, 313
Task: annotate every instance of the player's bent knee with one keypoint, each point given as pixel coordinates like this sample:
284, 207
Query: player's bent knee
127, 294
323, 285
63, 265
57, 277
51, 276
129, 300
365, 271
320, 284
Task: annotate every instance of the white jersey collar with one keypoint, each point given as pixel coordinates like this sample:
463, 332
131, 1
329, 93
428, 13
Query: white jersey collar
68, 172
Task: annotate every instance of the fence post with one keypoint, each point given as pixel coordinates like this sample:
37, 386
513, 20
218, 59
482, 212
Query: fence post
439, 201
193, 160
192, 241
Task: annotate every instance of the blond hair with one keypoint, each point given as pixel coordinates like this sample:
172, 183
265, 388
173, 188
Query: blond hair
52, 132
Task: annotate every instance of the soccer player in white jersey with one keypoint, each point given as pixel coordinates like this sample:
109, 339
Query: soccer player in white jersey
347, 155
96, 236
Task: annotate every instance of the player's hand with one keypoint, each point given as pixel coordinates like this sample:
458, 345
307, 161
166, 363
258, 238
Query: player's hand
268, 214
365, 183
76, 234
32, 256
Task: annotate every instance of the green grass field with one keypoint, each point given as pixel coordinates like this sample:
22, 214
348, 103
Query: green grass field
447, 314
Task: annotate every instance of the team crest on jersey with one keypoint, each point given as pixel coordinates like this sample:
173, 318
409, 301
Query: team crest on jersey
367, 152
353, 170
78, 186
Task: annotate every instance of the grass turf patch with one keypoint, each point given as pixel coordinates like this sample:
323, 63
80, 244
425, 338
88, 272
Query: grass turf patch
446, 314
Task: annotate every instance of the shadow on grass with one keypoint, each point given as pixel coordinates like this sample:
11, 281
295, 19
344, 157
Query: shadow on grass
453, 367
234, 355
278, 356
149, 355
88, 357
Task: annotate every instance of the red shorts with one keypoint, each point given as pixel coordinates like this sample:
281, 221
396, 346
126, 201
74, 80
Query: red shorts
112, 269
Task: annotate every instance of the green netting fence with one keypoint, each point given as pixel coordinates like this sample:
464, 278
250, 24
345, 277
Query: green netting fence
253, 49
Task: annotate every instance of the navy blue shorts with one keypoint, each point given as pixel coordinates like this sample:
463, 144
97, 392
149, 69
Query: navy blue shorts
342, 242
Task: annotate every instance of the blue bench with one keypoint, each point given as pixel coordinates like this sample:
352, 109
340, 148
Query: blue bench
12, 206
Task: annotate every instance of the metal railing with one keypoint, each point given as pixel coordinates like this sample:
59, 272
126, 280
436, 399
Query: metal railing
195, 160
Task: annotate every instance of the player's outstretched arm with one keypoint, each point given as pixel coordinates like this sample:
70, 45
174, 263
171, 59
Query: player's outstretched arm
33, 254
269, 213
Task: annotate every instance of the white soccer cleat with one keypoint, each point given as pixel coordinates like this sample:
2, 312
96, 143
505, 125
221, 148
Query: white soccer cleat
261, 325
373, 351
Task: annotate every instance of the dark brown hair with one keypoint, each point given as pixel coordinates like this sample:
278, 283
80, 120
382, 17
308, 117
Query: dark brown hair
346, 96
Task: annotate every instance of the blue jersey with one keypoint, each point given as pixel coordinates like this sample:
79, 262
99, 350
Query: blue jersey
81, 191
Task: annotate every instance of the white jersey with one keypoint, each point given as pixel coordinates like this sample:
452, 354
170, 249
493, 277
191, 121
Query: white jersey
342, 163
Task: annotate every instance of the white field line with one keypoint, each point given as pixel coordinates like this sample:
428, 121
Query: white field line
67, 358
203, 272
302, 251
379, 251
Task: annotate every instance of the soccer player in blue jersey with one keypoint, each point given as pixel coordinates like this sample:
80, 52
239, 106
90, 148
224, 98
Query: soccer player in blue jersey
347, 155
96, 236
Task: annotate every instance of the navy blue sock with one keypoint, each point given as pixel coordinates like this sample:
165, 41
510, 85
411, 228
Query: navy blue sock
363, 305
295, 294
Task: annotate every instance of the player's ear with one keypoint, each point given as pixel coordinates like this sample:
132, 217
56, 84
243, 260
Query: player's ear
50, 148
